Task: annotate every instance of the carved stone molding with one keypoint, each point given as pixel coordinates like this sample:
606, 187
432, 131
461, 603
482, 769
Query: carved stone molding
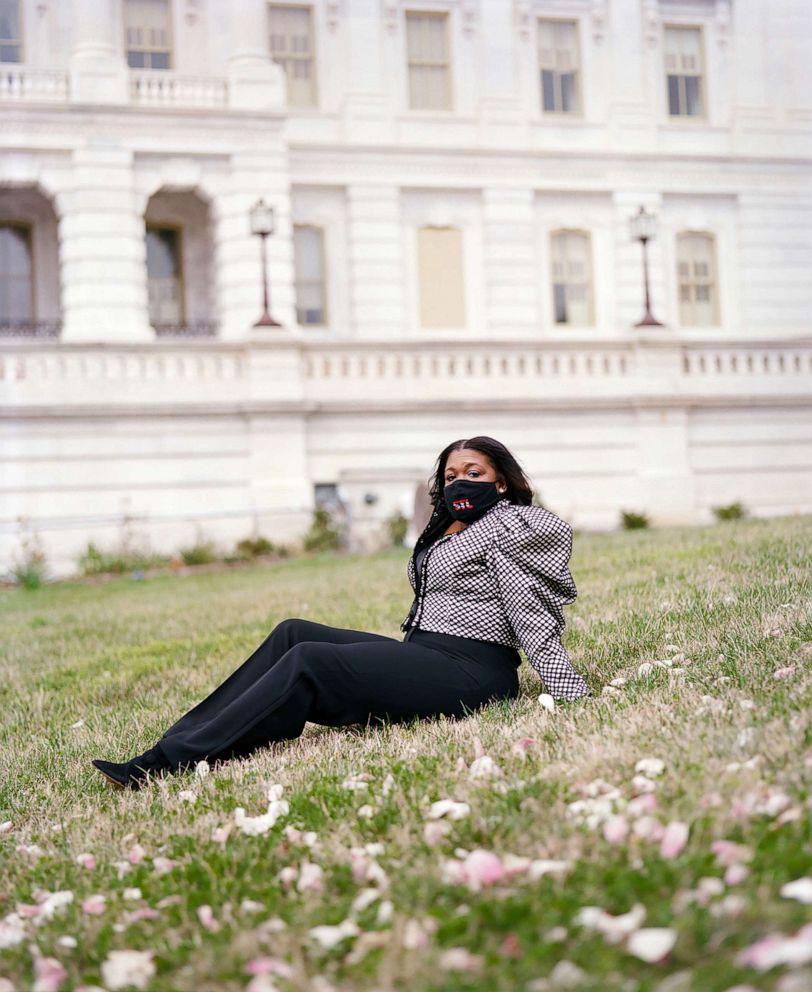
390, 14
598, 15
653, 13
332, 13
524, 17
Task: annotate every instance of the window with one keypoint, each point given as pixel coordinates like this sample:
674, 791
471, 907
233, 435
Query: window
147, 26
427, 52
16, 274
558, 66
440, 275
164, 276
683, 68
696, 272
308, 254
10, 35
572, 277
291, 46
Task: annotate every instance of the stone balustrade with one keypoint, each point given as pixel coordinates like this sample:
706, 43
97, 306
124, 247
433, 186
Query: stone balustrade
168, 89
287, 370
41, 85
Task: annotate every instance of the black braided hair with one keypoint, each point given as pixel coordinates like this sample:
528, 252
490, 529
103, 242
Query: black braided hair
519, 490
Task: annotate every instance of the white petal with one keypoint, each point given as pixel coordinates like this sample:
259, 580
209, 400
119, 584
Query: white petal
651, 943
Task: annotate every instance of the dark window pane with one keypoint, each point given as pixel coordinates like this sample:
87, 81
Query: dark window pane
162, 252
560, 300
135, 60
9, 53
9, 19
547, 89
693, 96
673, 95
160, 60
569, 94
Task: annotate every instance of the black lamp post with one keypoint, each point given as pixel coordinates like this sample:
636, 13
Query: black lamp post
643, 227
262, 223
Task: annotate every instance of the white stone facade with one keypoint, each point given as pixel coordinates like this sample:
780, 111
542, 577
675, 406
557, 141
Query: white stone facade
227, 433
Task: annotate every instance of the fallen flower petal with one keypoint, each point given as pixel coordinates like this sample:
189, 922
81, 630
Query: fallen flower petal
206, 916
454, 810
49, 973
615, 829
460, 959
94, 905
651, 943
329, 936
800, 889
650, 766
674, 839
123, 968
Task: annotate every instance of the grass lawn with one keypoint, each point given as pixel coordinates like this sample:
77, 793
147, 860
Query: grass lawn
356, 885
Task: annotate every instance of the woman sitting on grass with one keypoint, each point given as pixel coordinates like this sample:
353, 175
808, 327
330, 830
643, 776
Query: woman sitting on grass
490, 573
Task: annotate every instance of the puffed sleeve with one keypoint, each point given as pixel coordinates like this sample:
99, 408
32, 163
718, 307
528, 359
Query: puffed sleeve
531, 566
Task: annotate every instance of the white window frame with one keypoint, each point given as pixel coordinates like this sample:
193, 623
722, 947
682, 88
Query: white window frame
714, 281
312, 58
20, 40
590, 281
171, 42
325, 281
578, 113
446, 15
703, 74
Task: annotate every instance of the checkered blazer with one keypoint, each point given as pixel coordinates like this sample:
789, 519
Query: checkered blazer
504, 578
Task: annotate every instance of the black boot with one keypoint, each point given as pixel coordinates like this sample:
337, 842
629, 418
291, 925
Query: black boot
134, 773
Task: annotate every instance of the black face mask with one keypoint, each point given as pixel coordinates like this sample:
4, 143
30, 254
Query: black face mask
468, 500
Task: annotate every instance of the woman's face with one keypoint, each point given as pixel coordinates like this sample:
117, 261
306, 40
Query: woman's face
471, 465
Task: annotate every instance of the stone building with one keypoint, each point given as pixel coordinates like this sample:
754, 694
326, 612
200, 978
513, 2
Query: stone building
452, 183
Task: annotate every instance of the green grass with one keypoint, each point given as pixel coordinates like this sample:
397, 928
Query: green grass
129, 657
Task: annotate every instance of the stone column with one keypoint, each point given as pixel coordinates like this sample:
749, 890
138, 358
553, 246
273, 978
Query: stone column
501, 113
102, 250
511, 272
237, 251
255, 81
367, 111
98, 68
377, 277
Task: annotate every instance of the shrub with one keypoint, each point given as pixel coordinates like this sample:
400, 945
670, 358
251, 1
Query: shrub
398, 524
30, 569
733, 511
632, 520
253, 546
199, 554
322, 535
94, 561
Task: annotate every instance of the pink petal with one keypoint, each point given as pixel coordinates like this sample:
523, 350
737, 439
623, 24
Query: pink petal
736, 873
206, 917
49, 973
94, 905
616, 829
483, 867
674, 839
136, 854
86, 861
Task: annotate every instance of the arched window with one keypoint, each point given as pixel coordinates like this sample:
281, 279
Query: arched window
696, 275
571, 255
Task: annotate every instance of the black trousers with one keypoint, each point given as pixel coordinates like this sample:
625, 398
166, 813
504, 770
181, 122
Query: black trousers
306, 671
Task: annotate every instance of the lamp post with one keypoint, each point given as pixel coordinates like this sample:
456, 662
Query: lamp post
262, 223
642, 227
